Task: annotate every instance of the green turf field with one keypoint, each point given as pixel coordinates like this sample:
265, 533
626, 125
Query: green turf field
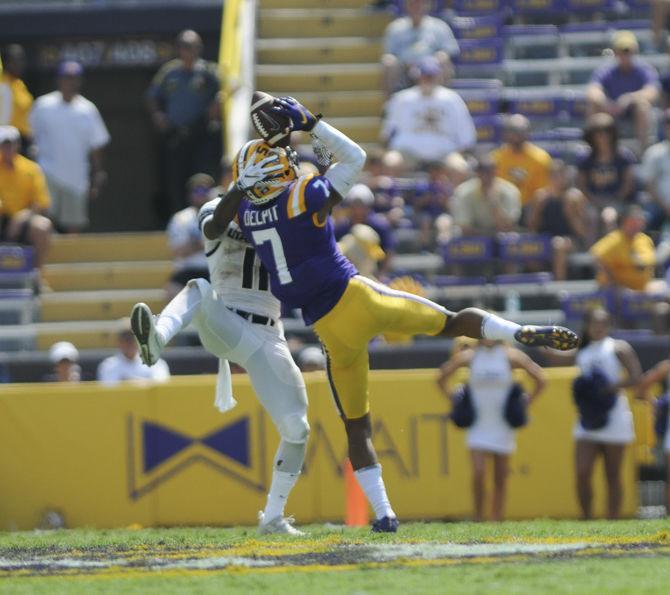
515, 557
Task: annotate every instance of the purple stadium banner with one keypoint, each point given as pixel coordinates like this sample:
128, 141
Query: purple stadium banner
524, 247
534, 5
16, 259
576, 305
488, 128
478, 6
468, 250
477, 27
481, 103
635, 305
538, 106
479, 52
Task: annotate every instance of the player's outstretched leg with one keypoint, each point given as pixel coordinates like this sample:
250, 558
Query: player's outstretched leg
479, 324
153, 333
144, 329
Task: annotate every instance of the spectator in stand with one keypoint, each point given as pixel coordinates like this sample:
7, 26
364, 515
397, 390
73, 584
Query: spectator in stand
20, 101
64, 357
521, 162
491, 437
655, 172
358, 205
560, 210
184, 236
458, 171
627, 88
361, 247
606, 174
410, 38
626, 257
70, 137
382, 179
24, 198
486, 204
431, 199
126, 363
428, 121
184, 107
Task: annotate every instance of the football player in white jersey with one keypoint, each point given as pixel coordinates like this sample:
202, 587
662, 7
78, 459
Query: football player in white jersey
237, 319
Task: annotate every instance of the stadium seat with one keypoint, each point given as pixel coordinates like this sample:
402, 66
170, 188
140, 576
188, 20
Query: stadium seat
517, 278
16, 267
468, 250
487, 26
457, 280
478, 7
17, 306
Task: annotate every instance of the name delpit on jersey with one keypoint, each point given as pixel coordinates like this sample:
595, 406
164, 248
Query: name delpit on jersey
256, 218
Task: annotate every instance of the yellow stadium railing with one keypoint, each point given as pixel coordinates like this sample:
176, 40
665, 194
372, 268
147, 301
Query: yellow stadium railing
229, 60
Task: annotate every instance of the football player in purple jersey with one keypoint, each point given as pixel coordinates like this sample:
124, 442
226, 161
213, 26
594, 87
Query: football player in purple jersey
287, 218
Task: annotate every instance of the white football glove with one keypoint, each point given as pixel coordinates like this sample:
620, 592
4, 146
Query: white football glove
256, 174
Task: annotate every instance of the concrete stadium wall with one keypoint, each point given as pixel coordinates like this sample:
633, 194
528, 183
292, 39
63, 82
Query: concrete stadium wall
158, 455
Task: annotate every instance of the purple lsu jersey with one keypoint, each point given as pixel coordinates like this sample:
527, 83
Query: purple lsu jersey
307, 269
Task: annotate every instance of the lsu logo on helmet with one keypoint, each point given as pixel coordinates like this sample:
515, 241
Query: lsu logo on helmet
257, 150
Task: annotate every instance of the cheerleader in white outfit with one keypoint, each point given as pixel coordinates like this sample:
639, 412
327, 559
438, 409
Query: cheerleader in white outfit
620, 365
660, 373
491, 437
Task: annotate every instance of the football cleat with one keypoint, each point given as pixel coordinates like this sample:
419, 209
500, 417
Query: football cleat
556, 337
144, 329
386, 524
277, 526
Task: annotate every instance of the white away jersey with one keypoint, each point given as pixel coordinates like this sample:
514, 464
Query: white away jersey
236, 273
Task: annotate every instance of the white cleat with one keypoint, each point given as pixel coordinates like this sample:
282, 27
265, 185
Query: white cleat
277, 526
144, 329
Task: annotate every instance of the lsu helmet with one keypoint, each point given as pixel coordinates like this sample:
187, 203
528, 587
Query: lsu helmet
257, 150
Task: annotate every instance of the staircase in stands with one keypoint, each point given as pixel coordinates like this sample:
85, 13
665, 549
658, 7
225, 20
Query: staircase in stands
327, 55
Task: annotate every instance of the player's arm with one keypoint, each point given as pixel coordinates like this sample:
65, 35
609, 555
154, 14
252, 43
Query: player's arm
215, 220
247, 179
349, 157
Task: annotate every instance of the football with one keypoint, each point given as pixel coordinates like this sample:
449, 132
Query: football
271, 126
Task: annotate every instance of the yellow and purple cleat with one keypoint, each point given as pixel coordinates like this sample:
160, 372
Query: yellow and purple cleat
556, 337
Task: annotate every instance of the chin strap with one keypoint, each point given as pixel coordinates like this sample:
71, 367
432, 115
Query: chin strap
348, 156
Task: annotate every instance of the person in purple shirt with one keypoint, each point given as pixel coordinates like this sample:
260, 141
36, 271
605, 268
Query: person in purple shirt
606, 172
625, 88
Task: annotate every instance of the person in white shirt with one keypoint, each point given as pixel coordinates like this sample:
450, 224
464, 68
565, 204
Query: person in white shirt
183, 232
410, 38
126, 364
655, 172
619, 366
427, 122
69, 136
65, 359
490, 436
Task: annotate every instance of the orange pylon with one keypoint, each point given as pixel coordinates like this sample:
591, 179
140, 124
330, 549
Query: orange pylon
356, 504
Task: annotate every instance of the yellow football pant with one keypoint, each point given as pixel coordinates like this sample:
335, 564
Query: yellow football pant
365, 310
